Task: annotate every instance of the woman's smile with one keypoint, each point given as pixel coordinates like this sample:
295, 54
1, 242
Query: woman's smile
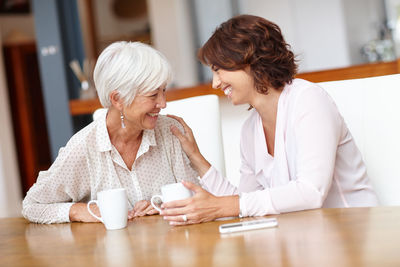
228, 91
153, 115
153, 118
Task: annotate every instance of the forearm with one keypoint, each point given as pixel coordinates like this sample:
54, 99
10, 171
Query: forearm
216, 184
199, 163
79, 213
45, 213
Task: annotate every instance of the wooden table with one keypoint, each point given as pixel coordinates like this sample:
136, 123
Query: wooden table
324, 237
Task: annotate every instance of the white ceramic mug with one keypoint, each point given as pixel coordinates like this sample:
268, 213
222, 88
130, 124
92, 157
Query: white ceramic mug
113, 206
171, 192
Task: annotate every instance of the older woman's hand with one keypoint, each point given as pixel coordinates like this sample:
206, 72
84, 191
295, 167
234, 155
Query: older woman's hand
202, 207
142, 208
189, 145
79, 213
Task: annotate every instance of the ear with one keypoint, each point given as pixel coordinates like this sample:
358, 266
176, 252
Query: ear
116, 100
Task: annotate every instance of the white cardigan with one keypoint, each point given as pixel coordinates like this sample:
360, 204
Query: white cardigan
316, 161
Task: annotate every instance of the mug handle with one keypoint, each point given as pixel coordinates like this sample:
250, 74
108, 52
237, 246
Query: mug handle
91, 213
152, 202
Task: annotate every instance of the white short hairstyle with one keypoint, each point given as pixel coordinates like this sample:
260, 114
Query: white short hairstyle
130, 68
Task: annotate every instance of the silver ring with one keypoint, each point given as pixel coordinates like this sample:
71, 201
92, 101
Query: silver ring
184, 217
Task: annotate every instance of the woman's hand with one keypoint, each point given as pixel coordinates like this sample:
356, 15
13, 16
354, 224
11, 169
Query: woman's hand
79, 213
202, 207
142, 208
189, 145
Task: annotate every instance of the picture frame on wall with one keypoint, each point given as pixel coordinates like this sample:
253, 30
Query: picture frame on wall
15, 7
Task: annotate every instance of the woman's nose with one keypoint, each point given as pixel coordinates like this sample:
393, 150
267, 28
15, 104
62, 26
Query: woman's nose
216, 82
161, 101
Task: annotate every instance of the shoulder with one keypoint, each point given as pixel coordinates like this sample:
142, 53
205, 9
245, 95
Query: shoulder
162, 130
305, 95
83, 138
84, 133
164, 138
309, 100
164, 124
302, 90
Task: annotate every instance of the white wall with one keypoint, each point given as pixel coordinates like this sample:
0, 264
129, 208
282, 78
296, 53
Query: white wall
323, 34
280, 12
10, 195
363, 19
315, 29
206, 20
171, 30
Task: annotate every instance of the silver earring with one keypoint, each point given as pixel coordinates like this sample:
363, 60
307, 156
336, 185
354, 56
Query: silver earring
122, 121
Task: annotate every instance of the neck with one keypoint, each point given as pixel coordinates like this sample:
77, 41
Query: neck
129, 134
267, 106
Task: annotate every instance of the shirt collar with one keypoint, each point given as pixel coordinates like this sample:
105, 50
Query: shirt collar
260, 145
261, 156
148, 140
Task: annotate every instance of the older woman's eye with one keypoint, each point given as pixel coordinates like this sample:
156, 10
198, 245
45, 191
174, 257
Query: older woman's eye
152, 94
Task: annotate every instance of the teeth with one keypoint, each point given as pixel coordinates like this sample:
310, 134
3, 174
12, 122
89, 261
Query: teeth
153, 114
228, 90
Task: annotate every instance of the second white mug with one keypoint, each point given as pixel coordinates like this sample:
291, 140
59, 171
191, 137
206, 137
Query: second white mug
170, 192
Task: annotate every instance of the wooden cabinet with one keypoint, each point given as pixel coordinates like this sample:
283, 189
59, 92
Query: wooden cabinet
28, 116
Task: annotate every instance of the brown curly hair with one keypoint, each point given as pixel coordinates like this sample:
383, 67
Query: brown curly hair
252, 41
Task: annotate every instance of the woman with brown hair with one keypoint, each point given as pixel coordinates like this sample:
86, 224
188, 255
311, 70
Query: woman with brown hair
296, 150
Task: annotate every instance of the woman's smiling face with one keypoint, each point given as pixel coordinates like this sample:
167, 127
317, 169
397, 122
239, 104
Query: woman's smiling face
238, 85
143, 112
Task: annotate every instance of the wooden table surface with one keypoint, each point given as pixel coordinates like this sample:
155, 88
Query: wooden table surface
323, 237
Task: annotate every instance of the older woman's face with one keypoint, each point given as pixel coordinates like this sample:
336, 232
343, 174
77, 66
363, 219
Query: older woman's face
144, 110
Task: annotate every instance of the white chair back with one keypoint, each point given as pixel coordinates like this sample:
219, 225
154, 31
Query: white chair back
371, 110
98, 112
202, 114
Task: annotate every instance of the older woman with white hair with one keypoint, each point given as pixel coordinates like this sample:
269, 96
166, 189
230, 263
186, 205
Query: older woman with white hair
128, 146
